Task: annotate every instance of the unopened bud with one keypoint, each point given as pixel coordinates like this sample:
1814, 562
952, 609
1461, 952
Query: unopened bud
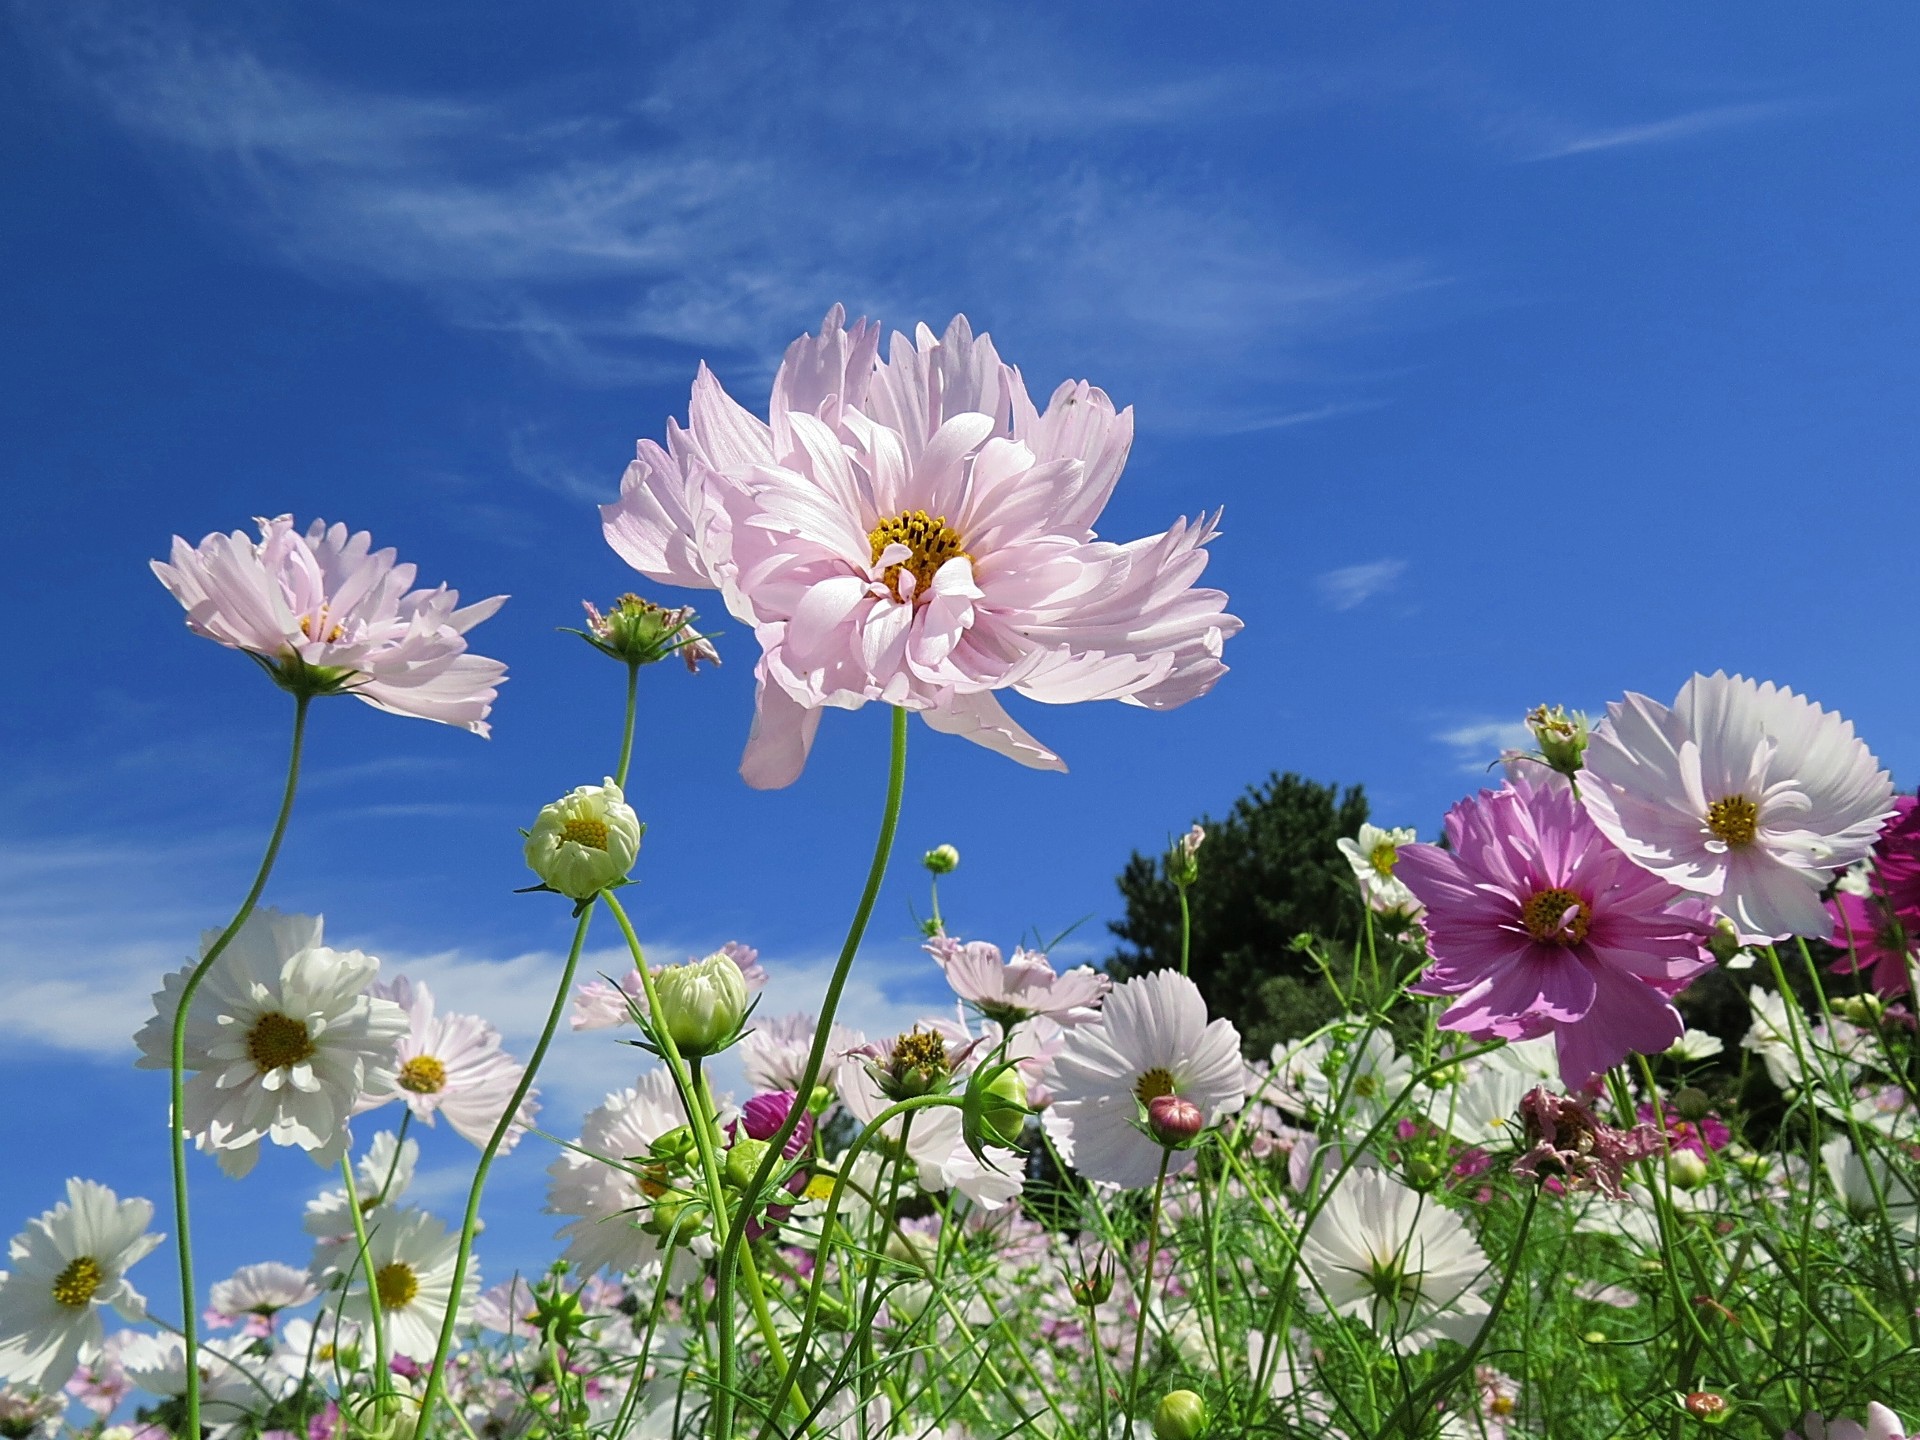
1180, 1415
941, 860
584, 841
1686, 1169
1174, 1121
1705, 1405
743, 1162
1095, 1286
1183, 858
703, 1003
1692, 1102
1860, 1009
1003, 1117
1724, 942
1561, 735
642, 633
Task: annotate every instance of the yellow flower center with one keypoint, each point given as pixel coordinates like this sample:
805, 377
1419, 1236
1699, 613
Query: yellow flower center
396, 1285
932, 541
278, 1040
1500, 1405
1155, 1083
75, 1286
1556, 917
332, 632
921, 1050
423, 1075
1382, 858
1735, 819
591, 833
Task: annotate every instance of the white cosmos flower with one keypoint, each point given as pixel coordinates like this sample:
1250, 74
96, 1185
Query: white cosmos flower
1747, 793
1696, 1045
259, 1291
1152, 1038
412, 1255
282, 1039
774, 1053
609, 1202
66, 1265
936, 1143
451, 1065
1397, 1260
382, 1177
233, 1382
1855, 1180
1372, 855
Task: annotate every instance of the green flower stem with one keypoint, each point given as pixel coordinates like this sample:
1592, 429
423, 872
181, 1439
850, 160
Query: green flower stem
626, 735
1146, 1284
883, 1218
380, 1371
1186, 927
189, 1309
816, 1060
810, 1315
470, 1223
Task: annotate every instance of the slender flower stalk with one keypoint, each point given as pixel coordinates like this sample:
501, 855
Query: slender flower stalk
1146, 1283
377, 1321
189, 1307
816, 1057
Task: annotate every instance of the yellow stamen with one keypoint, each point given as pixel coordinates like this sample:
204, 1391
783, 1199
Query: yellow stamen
423, 1075
1556, 917
1735, 819
396, 1285
932, 541
591, 833
1155, 1083
75, 1286
1382, 858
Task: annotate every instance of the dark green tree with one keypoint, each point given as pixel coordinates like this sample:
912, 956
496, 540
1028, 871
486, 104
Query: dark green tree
1269, 871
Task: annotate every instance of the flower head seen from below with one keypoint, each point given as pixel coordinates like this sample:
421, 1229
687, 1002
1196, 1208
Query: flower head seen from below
585, 841
1373, 854
327, 614
1008, 991
915, 531
1538, 924
254, 1294
1153, 1038
412, 1258
451, 1064
62, 1269
1396, 1259
639, 632
1745, 793
283, 1039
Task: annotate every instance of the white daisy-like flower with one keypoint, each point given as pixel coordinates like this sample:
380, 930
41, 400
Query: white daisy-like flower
66, 1265
1153, 1038
1855, 1179
774, 1054
412, 1257
1696, 1045
936, 1142
282, 1039
381, 1178
1372, 855
325, 1346
1747, 793
1397, 1260
257, 1293
452, 1065
609, 1202
234, 1383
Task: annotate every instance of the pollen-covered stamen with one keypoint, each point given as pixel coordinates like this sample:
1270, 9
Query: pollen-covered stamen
423, 1075
76, 1285
1556, 917
396, 1285
1382, 858
278, 1040
922, 1049
932, 541
1155, 1083
1734, 819
332, 633
591, 833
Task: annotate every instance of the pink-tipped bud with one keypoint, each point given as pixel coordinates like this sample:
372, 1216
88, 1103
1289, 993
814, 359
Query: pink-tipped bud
1174, 1121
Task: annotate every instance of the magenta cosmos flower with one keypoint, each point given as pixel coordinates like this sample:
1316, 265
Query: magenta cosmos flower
1538, 925
327, 614
915, 531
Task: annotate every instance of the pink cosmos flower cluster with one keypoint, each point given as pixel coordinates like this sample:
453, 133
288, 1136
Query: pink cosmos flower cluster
1878, 928
914, 530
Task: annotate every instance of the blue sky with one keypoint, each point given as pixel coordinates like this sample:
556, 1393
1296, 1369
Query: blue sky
1534, 357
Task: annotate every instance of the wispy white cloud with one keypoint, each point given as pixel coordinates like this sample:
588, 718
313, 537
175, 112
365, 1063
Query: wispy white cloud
1354, 585
726, 207
1478, 743
1675, 128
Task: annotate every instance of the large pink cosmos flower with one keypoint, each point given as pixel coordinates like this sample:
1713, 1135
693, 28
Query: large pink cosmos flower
326, 613
1539, 925
915, 531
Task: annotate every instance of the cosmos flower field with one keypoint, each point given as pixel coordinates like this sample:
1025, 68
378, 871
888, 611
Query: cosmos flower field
1508, 1191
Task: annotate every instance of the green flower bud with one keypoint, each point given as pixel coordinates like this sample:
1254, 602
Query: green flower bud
1003, 1116
1561, 735
1686, 1169
941, 860
585, 841
702, 1004
641, 633
1180, 1415
743, 1162
1691, 1102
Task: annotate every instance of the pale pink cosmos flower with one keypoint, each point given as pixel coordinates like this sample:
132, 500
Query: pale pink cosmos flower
773, 1054
603, 1004
1539, 925
916, 532
1016, 989
1746, 793
326, 613
254, 1294
1882, 1424
452, 1065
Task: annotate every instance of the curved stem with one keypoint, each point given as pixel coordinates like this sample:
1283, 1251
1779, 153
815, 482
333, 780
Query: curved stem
189, 1310
471, 1221
816, 1060
1146, 1285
